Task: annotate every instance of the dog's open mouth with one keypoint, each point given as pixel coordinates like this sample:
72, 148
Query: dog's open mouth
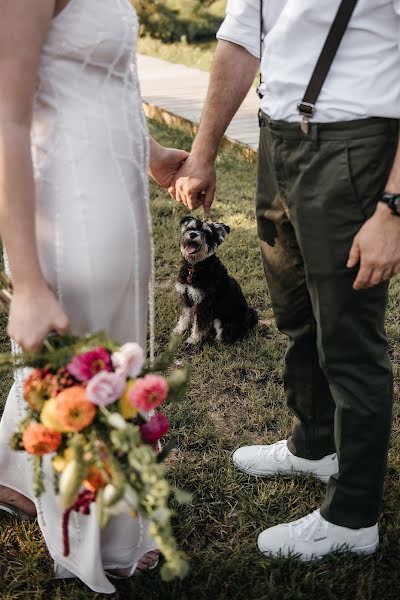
191, 247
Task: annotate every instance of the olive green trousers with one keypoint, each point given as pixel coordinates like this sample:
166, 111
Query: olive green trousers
314, 193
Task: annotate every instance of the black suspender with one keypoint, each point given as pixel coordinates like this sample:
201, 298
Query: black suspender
338, 28
261, 45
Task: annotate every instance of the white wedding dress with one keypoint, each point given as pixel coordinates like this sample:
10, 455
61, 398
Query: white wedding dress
90, 154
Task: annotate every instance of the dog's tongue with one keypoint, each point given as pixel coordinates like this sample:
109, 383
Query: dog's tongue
192, 249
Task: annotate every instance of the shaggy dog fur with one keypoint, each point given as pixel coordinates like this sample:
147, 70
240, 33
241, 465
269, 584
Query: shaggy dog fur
212, 301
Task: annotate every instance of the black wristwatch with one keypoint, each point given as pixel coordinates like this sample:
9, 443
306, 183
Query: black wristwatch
392, 201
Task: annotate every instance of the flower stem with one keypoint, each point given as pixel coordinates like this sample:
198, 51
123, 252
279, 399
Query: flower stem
48, 346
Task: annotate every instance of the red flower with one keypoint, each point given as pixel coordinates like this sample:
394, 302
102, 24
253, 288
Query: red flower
148, 393
64, 379
84, 366
39, 386
155, 428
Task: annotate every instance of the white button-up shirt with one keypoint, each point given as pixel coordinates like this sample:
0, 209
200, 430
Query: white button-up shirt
364, 80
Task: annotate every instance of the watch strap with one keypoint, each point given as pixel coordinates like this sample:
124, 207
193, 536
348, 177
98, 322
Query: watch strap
393, 201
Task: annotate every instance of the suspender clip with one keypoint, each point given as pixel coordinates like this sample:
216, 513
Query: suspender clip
306, 109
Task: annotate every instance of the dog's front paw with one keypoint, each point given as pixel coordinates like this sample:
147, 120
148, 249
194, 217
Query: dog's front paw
179, 329
183, 323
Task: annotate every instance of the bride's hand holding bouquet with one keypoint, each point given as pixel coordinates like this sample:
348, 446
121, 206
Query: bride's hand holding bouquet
88, 404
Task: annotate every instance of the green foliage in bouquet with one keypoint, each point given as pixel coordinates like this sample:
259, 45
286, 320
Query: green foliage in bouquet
91, 407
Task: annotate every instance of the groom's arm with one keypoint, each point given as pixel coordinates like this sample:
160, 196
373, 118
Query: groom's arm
232, 76
233, 73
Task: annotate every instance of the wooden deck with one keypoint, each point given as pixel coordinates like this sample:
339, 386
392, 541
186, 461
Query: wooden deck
176, 94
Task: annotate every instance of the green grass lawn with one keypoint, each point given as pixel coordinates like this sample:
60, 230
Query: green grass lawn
235, 397
198, 55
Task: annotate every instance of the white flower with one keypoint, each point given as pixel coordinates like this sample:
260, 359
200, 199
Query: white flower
109, 494
131, 497
129, 358
125, 505
117, 421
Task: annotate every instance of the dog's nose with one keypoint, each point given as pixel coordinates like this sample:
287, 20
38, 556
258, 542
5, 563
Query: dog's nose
192, 235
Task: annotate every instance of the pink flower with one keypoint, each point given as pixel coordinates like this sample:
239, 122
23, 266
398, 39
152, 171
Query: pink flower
84, 366
149, 392
130, 359
105, 388
155, 428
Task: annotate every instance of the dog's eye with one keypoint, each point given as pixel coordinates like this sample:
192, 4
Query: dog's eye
190, 225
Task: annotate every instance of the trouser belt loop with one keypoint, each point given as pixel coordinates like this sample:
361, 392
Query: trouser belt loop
261, 119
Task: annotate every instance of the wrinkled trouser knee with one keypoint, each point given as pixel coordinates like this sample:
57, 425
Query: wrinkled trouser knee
314, 193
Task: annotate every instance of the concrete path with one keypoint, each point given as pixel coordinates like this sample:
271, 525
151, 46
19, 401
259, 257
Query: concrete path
176, 93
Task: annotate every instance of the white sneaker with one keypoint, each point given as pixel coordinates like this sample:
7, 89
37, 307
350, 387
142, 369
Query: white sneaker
312, 537
275, 459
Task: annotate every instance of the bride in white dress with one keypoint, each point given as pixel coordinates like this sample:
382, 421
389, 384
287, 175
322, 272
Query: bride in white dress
74, 218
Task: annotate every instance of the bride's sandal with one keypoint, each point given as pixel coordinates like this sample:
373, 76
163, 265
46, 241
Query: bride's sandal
13, 511
113, 574
155, 565
138, 568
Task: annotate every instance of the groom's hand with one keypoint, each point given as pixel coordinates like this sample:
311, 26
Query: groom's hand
195, 183
376, 248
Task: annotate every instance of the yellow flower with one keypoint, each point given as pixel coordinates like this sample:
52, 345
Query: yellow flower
126, 409
49, 418
60, 462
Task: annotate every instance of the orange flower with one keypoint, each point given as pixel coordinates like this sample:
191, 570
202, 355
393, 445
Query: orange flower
73, 410
95, 480
39, 440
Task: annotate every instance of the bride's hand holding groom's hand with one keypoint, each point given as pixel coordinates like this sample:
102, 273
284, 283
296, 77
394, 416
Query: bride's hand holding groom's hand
165, 163
195, 184
189, 179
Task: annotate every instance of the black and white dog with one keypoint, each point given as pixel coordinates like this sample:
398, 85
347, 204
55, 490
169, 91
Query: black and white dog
212, 301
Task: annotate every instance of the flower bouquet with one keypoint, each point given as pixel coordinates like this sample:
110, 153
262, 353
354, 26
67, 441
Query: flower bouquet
90, 406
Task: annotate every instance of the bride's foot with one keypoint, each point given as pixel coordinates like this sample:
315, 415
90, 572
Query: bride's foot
148, 561
16, 500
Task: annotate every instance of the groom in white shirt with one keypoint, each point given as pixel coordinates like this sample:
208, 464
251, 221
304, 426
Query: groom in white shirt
328, 217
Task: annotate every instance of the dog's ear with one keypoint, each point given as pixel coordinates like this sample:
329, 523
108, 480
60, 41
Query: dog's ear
221, 231
186, 220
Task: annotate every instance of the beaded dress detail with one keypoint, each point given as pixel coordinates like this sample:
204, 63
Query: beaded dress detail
90, 156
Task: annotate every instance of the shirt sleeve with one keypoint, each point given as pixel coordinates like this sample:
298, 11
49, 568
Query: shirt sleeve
242, 25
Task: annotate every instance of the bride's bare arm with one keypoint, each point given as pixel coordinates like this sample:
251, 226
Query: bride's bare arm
23, 27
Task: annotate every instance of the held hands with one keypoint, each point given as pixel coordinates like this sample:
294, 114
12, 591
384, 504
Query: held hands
165, 163
195, 184
376, 247
34, 313
189, 179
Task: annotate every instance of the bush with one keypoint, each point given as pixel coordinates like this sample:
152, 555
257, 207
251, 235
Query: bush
169, 21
